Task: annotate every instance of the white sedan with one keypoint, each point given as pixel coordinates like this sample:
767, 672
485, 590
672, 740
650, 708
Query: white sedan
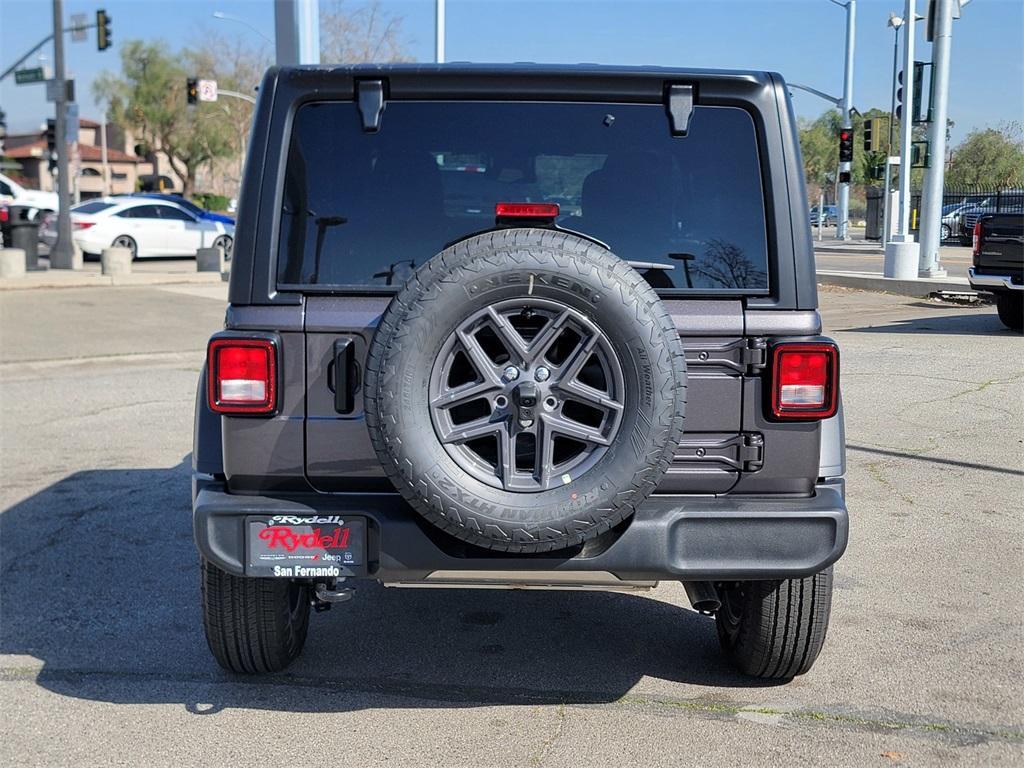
146, 227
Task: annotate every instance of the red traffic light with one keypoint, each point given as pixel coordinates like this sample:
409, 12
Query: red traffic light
844, 135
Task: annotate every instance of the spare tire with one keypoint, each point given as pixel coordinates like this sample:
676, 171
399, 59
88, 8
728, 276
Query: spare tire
525, 390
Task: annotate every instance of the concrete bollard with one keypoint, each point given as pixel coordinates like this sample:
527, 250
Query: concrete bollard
116, 261
210, 260
77, 257
12, 262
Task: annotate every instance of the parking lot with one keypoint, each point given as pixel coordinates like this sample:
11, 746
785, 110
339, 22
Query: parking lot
103, 661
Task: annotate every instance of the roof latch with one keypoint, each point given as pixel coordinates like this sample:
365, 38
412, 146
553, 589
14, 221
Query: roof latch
680, 108
371, 103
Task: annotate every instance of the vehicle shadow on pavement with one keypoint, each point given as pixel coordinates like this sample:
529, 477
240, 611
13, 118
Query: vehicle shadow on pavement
971, 323
100, 583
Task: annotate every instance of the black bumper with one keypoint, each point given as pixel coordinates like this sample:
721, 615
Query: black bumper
670, 538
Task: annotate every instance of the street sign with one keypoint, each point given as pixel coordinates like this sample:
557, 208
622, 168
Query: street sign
33, 75
71, 123
207, 90
51, 90
79, 30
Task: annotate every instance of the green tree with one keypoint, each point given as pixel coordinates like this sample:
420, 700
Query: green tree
992, 158
148, 99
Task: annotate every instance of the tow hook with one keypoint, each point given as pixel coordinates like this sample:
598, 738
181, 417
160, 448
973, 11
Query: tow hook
325, 596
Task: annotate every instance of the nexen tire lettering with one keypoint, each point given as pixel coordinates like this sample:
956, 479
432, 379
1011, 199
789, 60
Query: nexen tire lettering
538, 278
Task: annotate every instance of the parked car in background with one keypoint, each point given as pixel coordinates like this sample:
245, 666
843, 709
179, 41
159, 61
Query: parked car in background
830, 218
12, 193
146, 227
188, 205
998, 264
1012, 202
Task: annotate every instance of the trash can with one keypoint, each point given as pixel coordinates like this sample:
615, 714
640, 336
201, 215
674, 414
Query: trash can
23, 226
876, 211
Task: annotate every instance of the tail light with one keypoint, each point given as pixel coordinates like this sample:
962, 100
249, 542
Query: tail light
976, 241
242, 376
83, 224
805, 381
3, 214
546, 211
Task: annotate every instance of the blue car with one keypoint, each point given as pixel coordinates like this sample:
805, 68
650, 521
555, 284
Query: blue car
191, 207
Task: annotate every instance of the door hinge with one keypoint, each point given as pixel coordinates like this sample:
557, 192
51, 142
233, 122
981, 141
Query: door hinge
755, 355
751, 453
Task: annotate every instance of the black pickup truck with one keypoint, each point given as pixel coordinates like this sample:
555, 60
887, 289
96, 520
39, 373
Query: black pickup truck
521, 327
999, 264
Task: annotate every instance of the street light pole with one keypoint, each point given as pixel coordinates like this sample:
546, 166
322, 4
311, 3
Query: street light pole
63, 252
901, 252
895, 22
439, 31
843, 222
934, 176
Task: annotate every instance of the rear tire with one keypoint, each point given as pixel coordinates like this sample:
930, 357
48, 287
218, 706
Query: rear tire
775, 629
253, 626
1010, 306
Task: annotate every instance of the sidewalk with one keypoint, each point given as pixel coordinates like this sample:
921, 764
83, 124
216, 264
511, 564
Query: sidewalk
874, 281
144, 272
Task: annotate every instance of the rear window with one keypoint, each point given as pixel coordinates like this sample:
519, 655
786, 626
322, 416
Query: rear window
364, 209
91, 207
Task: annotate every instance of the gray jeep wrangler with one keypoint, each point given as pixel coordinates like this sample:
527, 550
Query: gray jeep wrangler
521, 326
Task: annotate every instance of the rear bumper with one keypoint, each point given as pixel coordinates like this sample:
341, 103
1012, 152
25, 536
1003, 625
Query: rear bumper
670, 538
993, 282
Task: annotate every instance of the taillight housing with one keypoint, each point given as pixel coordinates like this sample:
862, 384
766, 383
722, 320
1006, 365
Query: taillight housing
805, 381
522, 213
242, 376
976, 242
82, 224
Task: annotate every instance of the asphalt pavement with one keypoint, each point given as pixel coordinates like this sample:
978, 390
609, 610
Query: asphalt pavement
103, 662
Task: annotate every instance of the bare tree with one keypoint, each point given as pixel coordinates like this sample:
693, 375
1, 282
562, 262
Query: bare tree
725, 265
361, 35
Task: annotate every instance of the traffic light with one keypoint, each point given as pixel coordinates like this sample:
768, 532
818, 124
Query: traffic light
845, 145
192, 90
51, 142
844, 177
899, 97
102, 30
869, 135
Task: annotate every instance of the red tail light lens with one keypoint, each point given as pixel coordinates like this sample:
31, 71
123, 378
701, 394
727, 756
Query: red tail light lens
526, 210
805, 381
976, 240
242, 375
82, 224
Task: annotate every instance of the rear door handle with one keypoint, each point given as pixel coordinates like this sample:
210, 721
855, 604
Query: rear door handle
346, 375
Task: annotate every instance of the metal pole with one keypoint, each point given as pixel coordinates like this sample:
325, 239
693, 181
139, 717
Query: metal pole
296, 32
103, 155
844, 187
439, 31
934, 175
886, 224
901, 252
63, 252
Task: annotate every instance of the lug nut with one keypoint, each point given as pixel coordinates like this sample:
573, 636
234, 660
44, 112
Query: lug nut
511, 373
542, 374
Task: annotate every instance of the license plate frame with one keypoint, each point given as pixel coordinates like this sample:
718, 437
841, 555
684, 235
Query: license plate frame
318, 547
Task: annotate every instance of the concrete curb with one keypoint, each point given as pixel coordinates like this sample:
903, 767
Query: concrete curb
71, 279
868, 281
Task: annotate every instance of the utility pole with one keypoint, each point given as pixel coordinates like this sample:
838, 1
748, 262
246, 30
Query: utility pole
843, 222
439, 31
934, 175
901, 252
63, 252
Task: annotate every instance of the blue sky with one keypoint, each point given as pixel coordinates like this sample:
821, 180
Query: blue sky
802, 39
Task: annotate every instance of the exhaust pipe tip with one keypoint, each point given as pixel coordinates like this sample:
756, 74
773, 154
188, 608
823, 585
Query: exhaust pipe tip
703, 596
